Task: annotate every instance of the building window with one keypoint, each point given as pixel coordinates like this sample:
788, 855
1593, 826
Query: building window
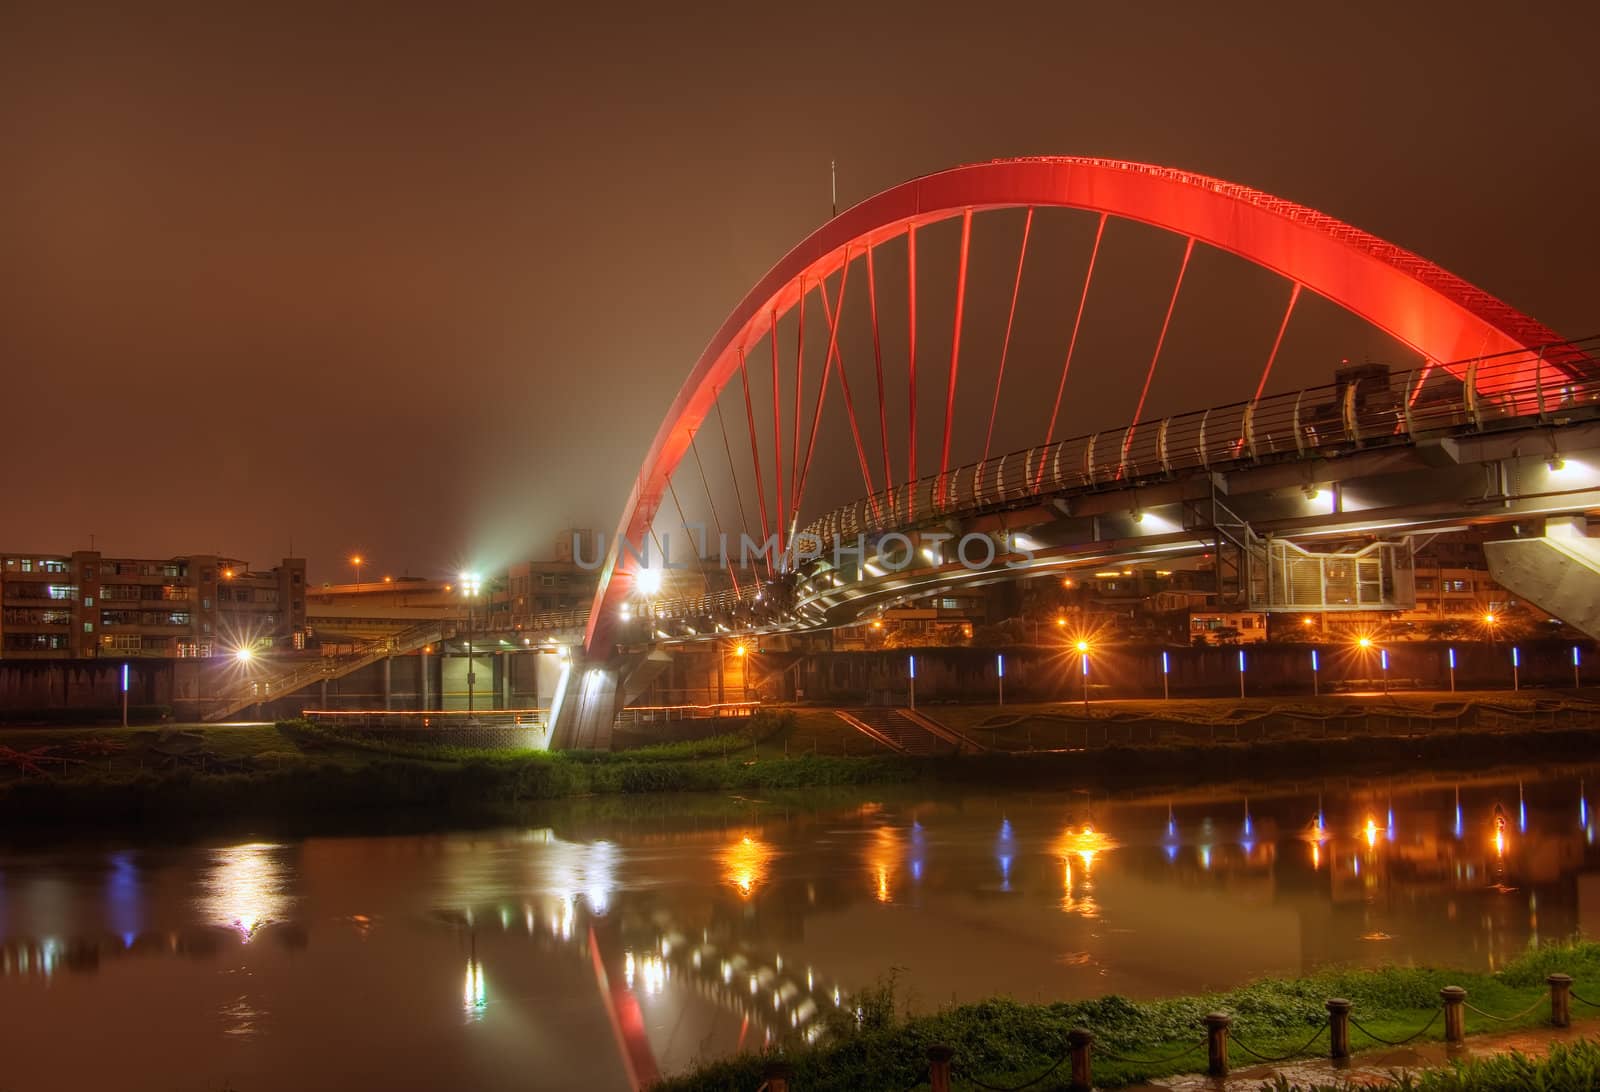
88, 627
88, 600
205, 604
122, 642
53, 566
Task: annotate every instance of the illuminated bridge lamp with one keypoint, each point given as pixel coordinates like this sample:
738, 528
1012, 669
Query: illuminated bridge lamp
1000, 674
1452, 670
1241, 674
1166, 670
1516, 668
1316, 673
1083, 658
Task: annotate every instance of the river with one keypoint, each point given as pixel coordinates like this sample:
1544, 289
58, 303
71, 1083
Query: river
605, 941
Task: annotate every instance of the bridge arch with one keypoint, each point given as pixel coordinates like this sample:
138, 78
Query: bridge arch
1433, 312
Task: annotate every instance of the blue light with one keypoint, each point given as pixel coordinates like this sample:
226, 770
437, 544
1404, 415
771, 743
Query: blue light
1241, 661
125, 674
1575, 656
1166, 667
1452, 659
912, 661
1314, 666
1383, 658
1516, 657
1085, 663
1000, 664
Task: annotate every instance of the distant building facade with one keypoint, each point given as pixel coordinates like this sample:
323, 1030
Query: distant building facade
83, 604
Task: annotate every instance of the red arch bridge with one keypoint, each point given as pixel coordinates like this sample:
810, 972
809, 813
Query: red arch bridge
785, 488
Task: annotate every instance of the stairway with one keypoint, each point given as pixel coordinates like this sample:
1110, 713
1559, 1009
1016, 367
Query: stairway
897, 730
268, 686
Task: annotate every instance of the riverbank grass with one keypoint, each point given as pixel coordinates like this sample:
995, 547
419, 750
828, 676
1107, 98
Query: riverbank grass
873, 1044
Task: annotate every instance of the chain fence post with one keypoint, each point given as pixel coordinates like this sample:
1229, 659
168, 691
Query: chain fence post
1079, 1040
1455, 999
1217, 1024
939, 1068
1338, 1027
1560, 999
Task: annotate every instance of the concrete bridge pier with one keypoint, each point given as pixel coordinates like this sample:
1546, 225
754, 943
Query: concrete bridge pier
591, 692
1558, 571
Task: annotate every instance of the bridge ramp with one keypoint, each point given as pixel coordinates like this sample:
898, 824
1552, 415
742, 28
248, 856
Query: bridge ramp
1559, 571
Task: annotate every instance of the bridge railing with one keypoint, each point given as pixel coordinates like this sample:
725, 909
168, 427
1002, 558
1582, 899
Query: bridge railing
1361, 411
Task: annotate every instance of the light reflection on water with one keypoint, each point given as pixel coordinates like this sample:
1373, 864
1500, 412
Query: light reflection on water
246, 888
675, 939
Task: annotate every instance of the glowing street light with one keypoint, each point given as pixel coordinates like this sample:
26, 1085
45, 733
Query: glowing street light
1166, 670
1000, 675
1316, 675
1241, 674
1452, 669
911, 679
647, 581
1516, 668
1576, 683
1083, 659
244, 655
357, 560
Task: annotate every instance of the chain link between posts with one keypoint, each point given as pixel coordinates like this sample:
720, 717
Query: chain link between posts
1504, 1019
1168, 1060
1296, 1053
1398, 1042
1059, 1062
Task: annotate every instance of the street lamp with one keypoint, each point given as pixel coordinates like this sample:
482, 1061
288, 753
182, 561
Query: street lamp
357, 560
1000, 675
469, 588
1083, 659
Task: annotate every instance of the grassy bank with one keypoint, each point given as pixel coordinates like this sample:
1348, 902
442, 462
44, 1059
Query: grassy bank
303, 777
1005, 1043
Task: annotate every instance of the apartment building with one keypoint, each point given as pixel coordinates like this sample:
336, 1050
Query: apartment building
83, 604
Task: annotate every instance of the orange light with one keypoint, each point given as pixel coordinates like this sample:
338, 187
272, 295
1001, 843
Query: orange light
1061, 621
1364, 642
1083, 646
227, 574
1372, 833
877, 624
356, 559
1067, 583
388, 580
738, 650
1305, 622
1488, 619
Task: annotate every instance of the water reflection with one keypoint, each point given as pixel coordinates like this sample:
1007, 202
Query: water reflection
246, 888
683, 937
745, 863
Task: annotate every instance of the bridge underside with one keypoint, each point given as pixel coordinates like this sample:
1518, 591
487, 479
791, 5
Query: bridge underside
1325, 503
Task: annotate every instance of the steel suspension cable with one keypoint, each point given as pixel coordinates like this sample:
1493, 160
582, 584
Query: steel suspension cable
911, 366
844, 383
822, 390
1011, 317
722, 538
955, 351
755, 456
700, 555
799, 393
1155, 358
877, 356
1277, 341
777, 429
738, 491
1072, 342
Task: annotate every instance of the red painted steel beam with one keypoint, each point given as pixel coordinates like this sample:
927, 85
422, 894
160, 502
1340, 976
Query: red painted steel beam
877, 356
1433, 312
1294, 295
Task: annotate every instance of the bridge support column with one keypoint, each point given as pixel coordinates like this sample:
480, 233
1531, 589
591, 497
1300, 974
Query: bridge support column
505, 679
424, 672
1559, 571
388, 682
587, 699
323, 698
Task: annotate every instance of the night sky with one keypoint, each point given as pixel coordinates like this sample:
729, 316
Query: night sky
420, 282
